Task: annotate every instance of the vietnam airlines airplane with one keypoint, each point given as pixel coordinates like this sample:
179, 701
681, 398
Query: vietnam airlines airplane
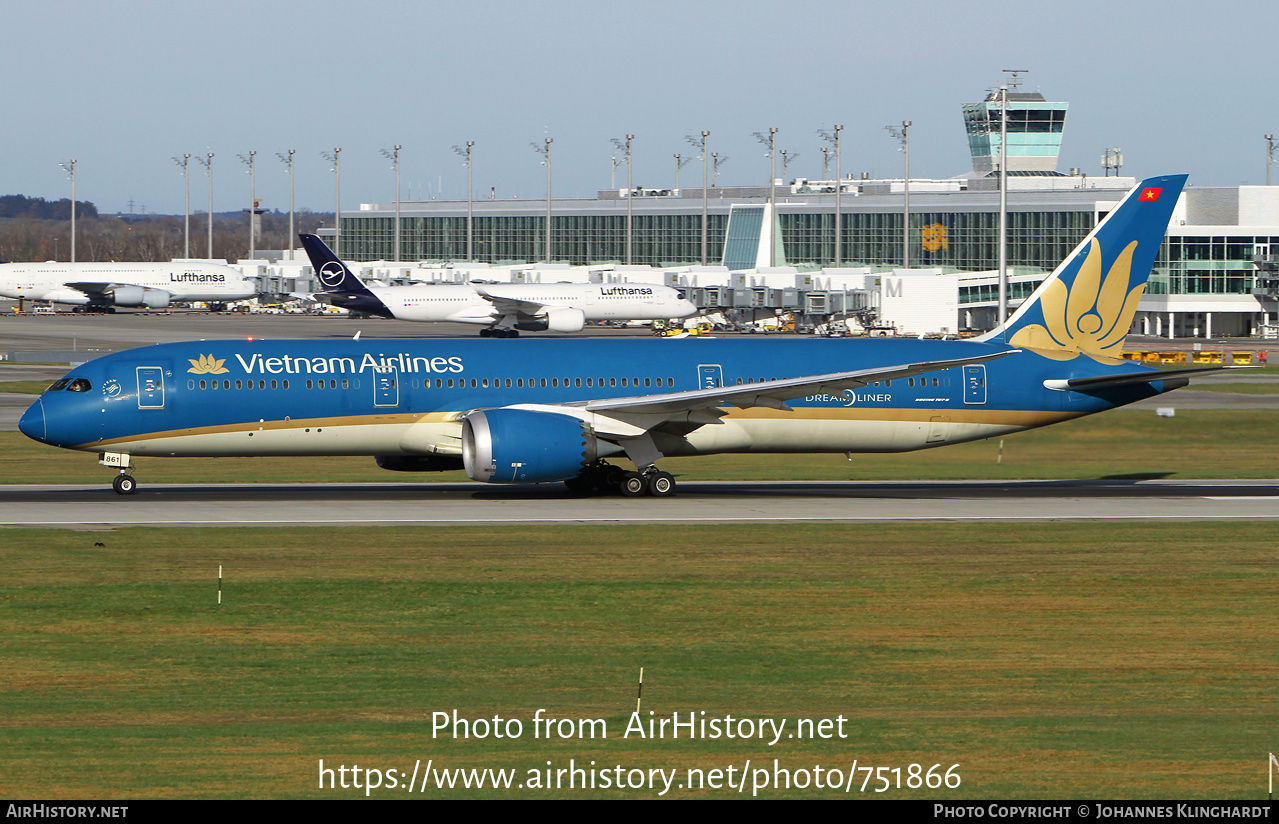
503, 309
104, 286
538, 411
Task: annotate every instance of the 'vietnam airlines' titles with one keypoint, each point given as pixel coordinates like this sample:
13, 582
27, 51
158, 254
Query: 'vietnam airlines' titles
403, 362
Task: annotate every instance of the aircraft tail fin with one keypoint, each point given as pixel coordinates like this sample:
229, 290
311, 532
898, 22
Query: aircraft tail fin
333, 274
1087, 305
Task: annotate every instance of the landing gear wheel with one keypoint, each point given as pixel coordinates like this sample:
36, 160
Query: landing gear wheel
124, 485
486, 332
633, 485
610, 478
661, 484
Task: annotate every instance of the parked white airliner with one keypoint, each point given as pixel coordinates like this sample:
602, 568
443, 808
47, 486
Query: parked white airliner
104, 286
503, 309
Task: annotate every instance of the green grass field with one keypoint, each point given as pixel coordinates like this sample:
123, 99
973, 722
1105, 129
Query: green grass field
1212, 443
1047, 661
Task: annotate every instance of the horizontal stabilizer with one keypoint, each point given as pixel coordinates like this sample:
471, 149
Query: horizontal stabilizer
1137, 377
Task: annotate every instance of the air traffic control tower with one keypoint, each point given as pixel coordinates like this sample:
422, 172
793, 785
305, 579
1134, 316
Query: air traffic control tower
1034, 133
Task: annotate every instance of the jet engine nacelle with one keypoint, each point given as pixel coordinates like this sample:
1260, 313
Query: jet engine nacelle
140, 296
562, 319
511, 446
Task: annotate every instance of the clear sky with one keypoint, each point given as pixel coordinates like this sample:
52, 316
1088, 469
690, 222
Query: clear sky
124, 86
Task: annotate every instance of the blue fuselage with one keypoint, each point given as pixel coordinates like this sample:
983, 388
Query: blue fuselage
406, 397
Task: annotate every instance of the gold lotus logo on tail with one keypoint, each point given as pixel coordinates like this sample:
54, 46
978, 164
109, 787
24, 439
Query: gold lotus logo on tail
207, 365
1092, 316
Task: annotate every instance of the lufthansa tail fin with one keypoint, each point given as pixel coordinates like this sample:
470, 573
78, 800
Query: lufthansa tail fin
1087, 305
332, 273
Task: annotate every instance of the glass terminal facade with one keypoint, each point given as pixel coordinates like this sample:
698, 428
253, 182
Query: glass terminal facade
954, 241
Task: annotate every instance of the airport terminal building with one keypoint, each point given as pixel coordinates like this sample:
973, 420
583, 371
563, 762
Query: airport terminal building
1212, 277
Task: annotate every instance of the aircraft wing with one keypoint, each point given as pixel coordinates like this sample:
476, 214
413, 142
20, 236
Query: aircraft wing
98, 288
700, 405
510, 306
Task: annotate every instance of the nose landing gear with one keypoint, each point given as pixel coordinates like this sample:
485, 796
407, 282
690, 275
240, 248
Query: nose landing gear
124, 484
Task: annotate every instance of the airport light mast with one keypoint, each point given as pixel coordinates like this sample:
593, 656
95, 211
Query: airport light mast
253, 200
770, 140
335, 158
545, 151
701, 147
679, 164
466, 161
1270, 155
833, 137
288, 161
207, 163
625, 148
394, 157
903, 135
70, 169
716, 162
185, 162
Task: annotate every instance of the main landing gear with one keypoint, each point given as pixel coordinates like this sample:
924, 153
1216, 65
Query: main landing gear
499, 332
606, 478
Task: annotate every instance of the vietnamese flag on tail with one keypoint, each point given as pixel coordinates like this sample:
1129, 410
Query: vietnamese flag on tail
1150, 194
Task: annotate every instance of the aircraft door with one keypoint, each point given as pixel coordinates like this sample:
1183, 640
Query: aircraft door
709, 375
386, 386
150, 387
975, 384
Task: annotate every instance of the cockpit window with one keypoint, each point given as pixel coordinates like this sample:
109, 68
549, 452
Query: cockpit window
58, 385
78, 385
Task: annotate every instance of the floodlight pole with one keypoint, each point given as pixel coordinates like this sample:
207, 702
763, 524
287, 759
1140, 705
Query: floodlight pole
288, 161
69, 167
207, 163
903, 135
838, 188
466, 161
253, 206
906, 199
545, 151
771, 142
701, 146
185, 162
336, 160
1003, 205
630, 192
1270, 155
833, 137
394, 157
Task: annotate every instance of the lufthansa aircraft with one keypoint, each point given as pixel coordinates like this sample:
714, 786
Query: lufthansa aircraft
557, 410
503, 309
104, 286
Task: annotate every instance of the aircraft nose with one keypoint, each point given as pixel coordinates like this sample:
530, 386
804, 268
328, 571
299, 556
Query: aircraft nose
32, 423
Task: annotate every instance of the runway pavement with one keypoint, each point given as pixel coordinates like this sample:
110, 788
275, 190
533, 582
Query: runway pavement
779, 502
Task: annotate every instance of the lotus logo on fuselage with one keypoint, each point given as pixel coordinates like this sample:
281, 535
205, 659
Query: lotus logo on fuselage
207, 365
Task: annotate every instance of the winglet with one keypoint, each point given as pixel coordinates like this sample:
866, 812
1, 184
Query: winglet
1087, 305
